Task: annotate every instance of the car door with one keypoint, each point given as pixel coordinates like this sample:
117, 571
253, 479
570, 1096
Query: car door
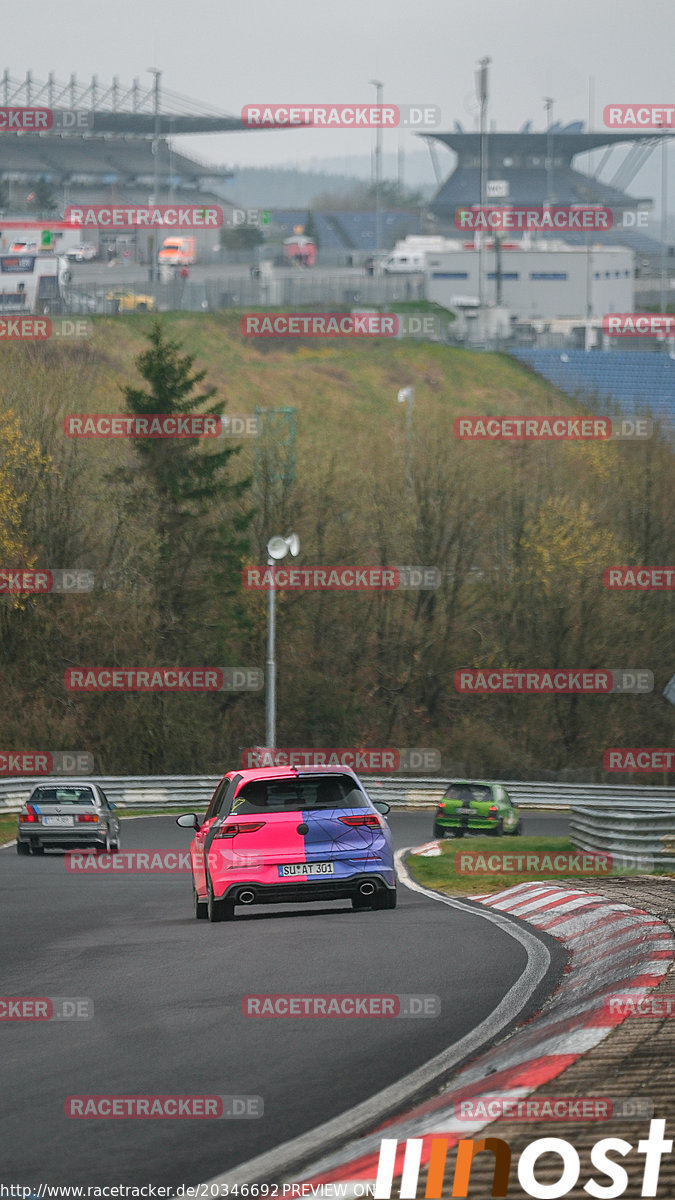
204, 835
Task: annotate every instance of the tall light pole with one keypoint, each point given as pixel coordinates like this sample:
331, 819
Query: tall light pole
277, 548
154, 266
548, 105
407, 396
664, 216
482, 82
378, 172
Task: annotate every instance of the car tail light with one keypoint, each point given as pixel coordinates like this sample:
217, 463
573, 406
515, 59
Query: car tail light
30, 816
440, 808
82, 818
493, 812
230, 831
369, 820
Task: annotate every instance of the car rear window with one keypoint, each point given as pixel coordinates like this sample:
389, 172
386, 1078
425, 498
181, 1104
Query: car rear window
287, 795
57, 795
466, 791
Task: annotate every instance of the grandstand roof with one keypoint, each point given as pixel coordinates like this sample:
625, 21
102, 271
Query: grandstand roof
119, 108
568, 141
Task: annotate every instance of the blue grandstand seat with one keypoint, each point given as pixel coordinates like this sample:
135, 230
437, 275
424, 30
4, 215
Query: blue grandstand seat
637, 382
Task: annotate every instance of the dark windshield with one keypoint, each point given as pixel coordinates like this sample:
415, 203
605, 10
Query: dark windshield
287, 795
467, 792
57, 795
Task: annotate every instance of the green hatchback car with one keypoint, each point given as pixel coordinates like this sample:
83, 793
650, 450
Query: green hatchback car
475, 806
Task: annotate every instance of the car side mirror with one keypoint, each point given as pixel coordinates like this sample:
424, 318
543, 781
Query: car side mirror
111, 805
188, 821
382, 807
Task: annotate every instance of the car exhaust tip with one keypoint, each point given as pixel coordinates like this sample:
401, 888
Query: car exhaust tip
367, 889
246, 897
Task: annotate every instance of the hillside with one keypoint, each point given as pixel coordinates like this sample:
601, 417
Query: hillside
521, 533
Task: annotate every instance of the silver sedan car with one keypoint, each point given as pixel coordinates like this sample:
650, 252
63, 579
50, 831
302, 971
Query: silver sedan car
68, 815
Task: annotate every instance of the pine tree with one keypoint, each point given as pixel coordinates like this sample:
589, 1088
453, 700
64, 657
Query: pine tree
187, 492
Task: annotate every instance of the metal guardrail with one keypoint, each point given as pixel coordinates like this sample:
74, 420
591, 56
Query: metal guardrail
180, 791
631, 830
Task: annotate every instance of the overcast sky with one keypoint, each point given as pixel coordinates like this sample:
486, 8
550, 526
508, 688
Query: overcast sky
227, 53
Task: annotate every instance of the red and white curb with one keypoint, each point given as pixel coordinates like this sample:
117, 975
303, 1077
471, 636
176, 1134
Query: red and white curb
613, 949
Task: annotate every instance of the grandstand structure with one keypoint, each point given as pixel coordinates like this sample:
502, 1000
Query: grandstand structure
637, 383
126, 145
537, 168
350, 231
126, 151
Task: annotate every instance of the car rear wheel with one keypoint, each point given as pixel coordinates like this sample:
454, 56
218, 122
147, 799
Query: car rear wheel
104, 849
116, 845
37, 849
439, 830
22, 848
199, 906
362, 902
384, 899
218, 910
498, 830
518, 829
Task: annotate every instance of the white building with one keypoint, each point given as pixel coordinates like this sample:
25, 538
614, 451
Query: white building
542, 281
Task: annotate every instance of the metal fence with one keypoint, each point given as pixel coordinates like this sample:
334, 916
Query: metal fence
239, 290
184, 791
640, 832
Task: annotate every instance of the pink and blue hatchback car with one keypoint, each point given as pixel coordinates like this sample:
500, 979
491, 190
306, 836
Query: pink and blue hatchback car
285, 835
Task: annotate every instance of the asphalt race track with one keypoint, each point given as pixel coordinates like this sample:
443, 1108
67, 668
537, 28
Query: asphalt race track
167, 994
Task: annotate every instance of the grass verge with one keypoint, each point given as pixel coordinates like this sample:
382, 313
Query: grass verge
442, 872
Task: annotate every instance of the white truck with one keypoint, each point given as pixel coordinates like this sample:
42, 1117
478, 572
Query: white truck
410, 254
